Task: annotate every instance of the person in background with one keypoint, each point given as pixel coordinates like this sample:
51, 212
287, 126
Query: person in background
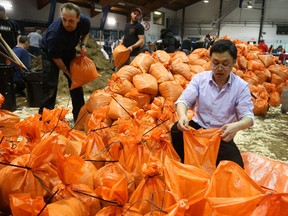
21, 51
207, 42
108, 47
186, 46
133, 37
279, 50
270, 50
10, 32
263, 46
35, 38
168, 41
223, 101
58, 50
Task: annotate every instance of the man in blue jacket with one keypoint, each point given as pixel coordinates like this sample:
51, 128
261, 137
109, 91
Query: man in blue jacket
58, 50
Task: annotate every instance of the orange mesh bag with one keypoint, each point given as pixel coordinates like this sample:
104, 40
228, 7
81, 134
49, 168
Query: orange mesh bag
140, 98
143, 61
188, 184
24, 205
181, 68
170, 90
201, 148
146, 83
232, 191
128, 72
8, 122
70, 206
151, 194
160, 72
83, 71
266, 172
120, 55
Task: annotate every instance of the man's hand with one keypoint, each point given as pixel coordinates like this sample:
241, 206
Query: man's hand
229, 131
183, 123
130, 48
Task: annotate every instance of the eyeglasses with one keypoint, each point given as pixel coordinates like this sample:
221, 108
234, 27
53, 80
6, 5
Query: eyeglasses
224, 67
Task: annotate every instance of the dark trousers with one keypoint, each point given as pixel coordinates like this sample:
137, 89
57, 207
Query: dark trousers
227, 151
50, 84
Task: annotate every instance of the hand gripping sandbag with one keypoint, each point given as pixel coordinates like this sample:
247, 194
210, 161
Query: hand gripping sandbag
120, 55
83, 71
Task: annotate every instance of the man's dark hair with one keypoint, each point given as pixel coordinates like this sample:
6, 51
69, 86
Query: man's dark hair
224, 45
71, 6
2, 9
23, 39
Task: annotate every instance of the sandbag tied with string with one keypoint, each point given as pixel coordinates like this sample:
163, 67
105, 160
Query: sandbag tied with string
83, 70
29, 173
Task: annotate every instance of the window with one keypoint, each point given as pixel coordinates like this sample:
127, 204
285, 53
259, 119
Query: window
158, 17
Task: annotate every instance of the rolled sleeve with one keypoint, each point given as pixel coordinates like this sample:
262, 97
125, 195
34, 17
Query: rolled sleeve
245, 105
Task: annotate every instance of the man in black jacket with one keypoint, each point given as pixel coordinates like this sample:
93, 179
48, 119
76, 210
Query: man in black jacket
168, 41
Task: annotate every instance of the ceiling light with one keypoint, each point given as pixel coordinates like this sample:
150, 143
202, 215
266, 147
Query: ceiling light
157, 13
7, 5
249, 6
97, 7
111, 20
122, 3
206, 1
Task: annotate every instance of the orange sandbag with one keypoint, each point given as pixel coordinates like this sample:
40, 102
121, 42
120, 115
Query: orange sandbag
70, 206
276, 80
200, 62
279, 70
83, 71
170, 90
119, 85
143, 61
260, 106
151, 189
232, 191
273, 205
179, 67
128, 72
1, 100
120, 106
274, 99
146, 83
250, 77
24, 205
267, 60
80, 122
120, 55
186, 182
263, 75
140, 98
266, 172
179, 56
163, 56
116, 210
201, 148
8, 122
196, 69
255, 64
181, 80
242, 63
99, 98
160, 72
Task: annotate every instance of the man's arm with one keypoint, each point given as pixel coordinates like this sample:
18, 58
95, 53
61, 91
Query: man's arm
83, 41
60, 64
139, 43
